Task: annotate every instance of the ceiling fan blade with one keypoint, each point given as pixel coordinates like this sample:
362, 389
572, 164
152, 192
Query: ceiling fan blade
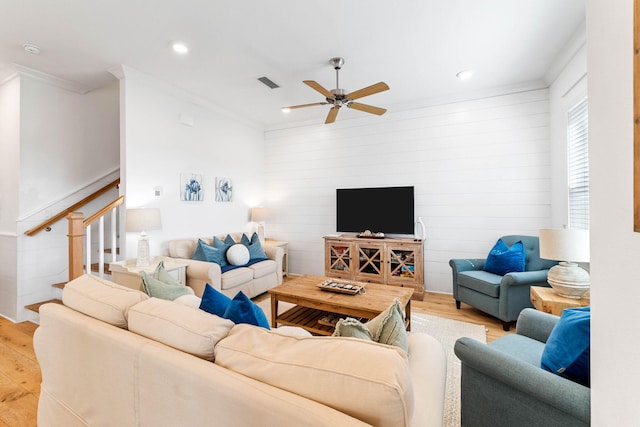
331, 117
367, 108
369, 90
293, 107
315, 85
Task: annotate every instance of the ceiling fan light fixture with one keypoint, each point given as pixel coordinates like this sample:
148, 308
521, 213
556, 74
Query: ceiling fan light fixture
180, 47
465, 74
286, 109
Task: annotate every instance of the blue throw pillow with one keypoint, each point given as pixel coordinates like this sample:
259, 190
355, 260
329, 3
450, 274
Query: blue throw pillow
214, 301
503, 259
242, 310
208, 253
568, 349
254, 246
224, 245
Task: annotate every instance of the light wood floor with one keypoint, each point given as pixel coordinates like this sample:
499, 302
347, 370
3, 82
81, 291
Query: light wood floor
20, 374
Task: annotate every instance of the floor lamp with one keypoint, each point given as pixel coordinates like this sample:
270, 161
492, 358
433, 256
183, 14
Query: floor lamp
142, 220
568, 246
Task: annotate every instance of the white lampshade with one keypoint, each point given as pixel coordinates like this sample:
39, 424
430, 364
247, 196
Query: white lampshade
259, 214
561, 244
141, 220
567, 246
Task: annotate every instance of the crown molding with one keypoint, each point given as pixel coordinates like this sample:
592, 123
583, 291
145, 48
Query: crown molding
51, 79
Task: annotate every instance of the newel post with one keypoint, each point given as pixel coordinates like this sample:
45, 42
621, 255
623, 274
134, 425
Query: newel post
76, 244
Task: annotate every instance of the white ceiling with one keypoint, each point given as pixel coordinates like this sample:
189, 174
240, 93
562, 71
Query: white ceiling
415, 46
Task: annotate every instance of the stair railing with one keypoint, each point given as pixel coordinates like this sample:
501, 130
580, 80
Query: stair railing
80, 237
60, 215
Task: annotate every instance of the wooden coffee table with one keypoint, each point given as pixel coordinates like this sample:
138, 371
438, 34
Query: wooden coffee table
312, 303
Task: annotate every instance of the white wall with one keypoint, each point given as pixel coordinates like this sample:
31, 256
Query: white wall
615, 248
481, 169
9, 174
67, 140
55, 142
569, 88
157, 148
10, 150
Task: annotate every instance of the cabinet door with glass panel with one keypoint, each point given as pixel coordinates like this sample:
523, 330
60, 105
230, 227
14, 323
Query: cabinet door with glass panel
369, 263
338, 259
404, 265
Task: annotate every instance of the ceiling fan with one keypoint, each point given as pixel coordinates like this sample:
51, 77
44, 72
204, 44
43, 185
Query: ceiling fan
337, 97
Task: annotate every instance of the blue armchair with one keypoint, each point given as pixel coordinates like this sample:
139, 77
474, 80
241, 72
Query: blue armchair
502, 384
505, 296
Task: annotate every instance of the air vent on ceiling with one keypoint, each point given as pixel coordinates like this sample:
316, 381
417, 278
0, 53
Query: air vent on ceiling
268, 82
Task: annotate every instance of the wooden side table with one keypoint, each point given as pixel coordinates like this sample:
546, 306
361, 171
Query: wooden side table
126, 273
285, 247
547, 300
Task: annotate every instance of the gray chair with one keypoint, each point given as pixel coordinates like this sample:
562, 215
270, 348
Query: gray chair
502, 383
505, 296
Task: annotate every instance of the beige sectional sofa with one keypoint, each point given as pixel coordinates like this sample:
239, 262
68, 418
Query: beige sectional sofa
113, 356
252, 281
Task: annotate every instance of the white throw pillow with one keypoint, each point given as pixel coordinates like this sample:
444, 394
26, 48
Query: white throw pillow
237, 254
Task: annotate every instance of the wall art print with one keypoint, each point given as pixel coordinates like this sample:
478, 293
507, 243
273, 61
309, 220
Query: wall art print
191, 187
224, 190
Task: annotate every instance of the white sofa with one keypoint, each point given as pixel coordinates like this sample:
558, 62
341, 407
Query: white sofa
112, 356
252, 281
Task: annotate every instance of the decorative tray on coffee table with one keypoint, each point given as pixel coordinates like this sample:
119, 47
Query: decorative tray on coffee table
342, 286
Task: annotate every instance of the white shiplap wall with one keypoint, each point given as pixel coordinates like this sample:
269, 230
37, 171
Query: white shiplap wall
481, 169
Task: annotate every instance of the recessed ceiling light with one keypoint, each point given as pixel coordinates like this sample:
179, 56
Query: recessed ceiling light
31, 48
465, 74
180, 47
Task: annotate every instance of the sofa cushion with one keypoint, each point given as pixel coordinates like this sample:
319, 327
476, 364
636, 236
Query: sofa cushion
386, 328
568, 348
163, 275
235, 277
263, 268
237, 254
242, 310
480, 281
343, 373
159, 289
503, 259
213, 301
182, 327
101, 299
208, 253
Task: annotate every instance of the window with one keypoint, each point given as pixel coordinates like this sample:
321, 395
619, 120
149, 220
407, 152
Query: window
578, 166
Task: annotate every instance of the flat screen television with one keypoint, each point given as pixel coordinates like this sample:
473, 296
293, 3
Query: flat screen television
386, 210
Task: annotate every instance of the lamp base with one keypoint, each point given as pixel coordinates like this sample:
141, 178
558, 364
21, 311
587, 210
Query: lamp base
143, 251
569, 280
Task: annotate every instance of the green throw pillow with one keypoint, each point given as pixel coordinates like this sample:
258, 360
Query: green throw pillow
159, 289
161, 274
386, 328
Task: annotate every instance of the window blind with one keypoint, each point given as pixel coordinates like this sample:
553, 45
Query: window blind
578, 165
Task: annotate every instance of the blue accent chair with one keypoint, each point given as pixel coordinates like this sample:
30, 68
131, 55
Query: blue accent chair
503, 297
503, 385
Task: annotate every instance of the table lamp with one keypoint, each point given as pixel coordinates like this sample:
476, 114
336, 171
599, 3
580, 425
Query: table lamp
142, 219
567, 246
258, 215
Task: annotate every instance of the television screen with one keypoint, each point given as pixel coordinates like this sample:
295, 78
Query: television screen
386, 210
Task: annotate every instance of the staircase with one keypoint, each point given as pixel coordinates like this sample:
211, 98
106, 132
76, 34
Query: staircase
80, 242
